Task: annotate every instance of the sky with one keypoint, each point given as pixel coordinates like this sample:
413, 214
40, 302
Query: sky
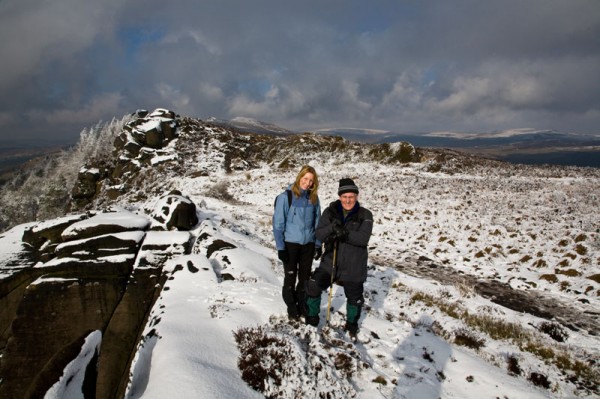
404, 66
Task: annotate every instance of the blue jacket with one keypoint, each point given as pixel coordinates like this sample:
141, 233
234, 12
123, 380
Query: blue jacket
296, 222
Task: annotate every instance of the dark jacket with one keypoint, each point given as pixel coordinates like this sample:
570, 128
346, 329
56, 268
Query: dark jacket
352, 255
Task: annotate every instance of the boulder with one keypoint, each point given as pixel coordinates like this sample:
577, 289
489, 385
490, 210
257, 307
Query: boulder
174, 211
85, 186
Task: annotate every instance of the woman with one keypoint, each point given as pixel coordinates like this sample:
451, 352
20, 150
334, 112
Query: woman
297, 212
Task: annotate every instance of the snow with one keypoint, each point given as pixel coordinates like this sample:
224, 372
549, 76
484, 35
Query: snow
69, 385
480, 225
124, 219
135, 236
55, 222
163, 158
192, 353
153, 123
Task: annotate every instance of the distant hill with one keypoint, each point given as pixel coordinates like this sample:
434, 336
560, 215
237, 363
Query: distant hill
249, 125
527, 146
17, 157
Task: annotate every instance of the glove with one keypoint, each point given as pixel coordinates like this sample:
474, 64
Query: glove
340, 232
318, 252
283, 256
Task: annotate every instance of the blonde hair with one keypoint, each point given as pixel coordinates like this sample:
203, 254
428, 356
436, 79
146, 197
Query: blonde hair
315, 187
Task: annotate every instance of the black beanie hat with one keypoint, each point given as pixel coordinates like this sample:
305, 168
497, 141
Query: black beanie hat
347, 186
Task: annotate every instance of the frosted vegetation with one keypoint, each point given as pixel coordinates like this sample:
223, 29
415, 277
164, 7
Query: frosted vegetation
43, 192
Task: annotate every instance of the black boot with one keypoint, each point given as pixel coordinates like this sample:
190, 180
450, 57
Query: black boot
301, 305
352, 328
289, 297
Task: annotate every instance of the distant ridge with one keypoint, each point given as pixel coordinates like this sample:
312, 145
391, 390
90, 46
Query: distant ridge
529, 146
249, 125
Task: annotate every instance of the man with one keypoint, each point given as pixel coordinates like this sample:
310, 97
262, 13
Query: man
345, 227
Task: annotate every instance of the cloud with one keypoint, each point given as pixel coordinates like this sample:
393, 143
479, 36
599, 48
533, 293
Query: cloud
38, 33
96, 110
170, 95
306, 65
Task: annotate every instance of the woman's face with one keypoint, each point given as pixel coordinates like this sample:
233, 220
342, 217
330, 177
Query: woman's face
306, 181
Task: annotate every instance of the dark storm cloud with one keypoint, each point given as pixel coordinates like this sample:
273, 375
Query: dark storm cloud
403, 66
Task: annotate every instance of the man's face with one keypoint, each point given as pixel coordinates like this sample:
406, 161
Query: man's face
348, 200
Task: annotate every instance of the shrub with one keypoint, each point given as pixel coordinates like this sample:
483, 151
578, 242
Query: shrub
568, 272
539, 349
380, 380
258, 361
434, 167
525, 258
513, 366
539, 380
595, 278
220, 191
580, 237
466, 338
564, 285
344, 363
549, 277
554, 330
581, 250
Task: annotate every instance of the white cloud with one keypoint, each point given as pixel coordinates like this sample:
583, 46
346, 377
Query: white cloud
171, 95
211, 92
197, 36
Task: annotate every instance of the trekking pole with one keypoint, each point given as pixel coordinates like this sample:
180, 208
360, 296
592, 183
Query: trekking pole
332, 277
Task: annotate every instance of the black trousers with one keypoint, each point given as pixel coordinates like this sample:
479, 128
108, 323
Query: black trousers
321, 280
297, 271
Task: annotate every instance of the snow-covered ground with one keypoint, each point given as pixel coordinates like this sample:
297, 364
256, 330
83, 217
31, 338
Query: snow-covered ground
535, 231
483, 225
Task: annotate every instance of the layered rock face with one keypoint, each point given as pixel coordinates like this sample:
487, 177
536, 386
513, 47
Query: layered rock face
89, 280
96, 272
